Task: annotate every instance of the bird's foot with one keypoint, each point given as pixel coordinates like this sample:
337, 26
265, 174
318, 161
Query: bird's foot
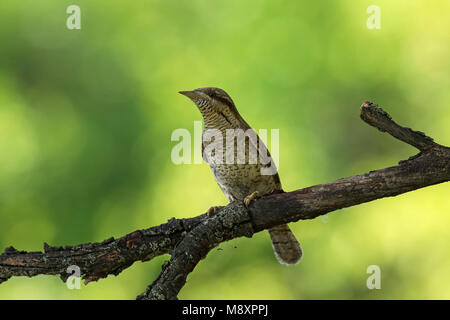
212, 211
251, 197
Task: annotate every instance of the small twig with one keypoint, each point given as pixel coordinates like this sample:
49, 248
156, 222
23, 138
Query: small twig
379, 119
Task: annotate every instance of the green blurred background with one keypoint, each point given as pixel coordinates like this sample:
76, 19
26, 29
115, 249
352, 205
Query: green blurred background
86, 118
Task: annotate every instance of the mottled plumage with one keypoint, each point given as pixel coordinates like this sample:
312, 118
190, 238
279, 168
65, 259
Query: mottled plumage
240, 180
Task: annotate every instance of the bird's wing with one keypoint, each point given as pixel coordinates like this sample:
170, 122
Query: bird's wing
270, 165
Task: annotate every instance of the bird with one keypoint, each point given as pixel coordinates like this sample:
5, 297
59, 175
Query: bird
242, 180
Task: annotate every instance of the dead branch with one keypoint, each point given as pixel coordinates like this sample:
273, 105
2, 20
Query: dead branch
189, 240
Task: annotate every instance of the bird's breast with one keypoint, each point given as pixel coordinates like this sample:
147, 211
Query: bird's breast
236, 166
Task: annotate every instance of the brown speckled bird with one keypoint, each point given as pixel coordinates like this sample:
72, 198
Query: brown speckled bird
241, 181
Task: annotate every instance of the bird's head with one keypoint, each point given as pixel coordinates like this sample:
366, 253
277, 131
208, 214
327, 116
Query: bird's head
212, 101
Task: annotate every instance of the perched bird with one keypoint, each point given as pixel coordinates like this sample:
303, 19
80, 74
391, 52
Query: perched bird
242, 180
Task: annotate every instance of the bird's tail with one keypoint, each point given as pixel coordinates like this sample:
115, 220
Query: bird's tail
285, 245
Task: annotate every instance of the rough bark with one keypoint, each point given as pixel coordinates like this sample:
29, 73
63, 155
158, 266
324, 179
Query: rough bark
189, 240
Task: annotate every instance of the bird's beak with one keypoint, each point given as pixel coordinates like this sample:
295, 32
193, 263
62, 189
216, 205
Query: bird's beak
195, 95
190, 94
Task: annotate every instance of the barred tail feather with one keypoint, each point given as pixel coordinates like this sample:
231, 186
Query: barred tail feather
285, 245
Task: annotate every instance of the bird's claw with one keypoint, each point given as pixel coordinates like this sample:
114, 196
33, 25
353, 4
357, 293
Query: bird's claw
251, 197
212, 211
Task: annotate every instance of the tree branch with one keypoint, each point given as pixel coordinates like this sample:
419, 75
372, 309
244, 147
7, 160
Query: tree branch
378, 118
98, 260
189, 240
